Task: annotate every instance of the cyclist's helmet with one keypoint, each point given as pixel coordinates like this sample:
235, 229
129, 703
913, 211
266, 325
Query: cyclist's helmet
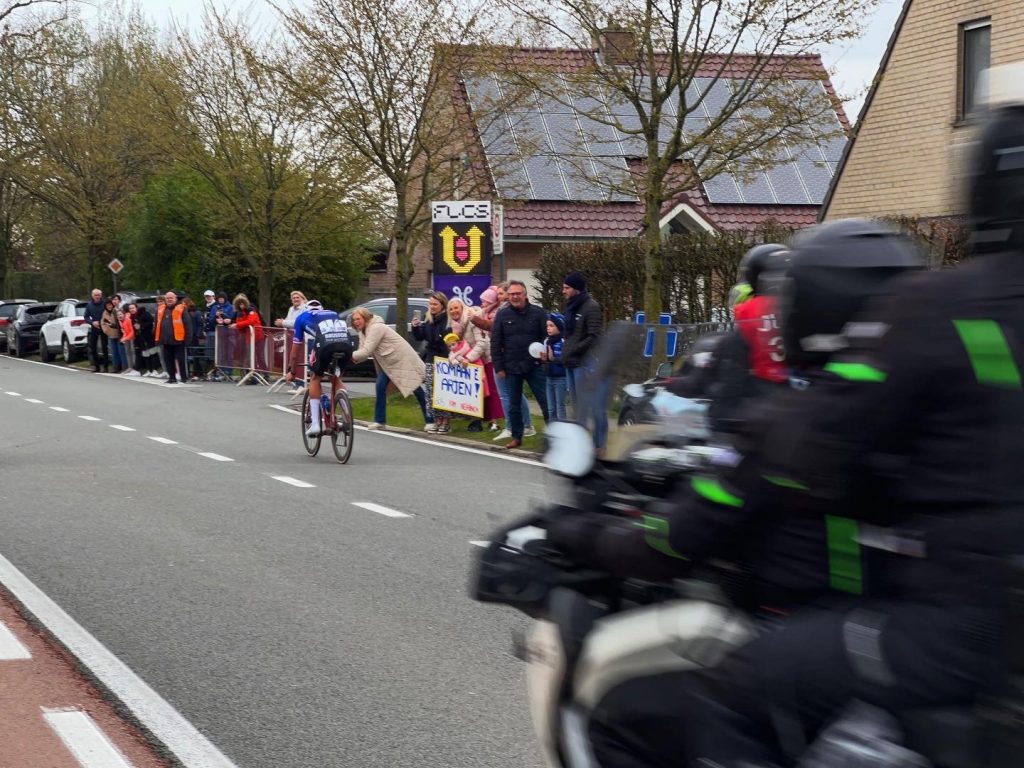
761, 258
996, 174
314, 305
833, 269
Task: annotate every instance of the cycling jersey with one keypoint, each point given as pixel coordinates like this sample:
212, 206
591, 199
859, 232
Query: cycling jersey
323, 326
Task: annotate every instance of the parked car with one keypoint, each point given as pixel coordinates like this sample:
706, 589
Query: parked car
66, 333
23, 328
7, 309
385, 309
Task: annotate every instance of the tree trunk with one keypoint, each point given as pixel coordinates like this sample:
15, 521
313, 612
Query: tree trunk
403, 269
264, 285
653, 262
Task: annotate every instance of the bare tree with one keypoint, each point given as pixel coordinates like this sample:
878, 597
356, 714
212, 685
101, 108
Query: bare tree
230, 117
379, 74
652, 66
71, 126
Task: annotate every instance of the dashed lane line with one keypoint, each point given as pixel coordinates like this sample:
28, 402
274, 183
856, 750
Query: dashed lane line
84, 739
33, 400
214, 456
11, 648
162, 440
89, 418
432, 443
293, 481
380, 509
168, 726
480, 543
13, 394
58, 409
121, 427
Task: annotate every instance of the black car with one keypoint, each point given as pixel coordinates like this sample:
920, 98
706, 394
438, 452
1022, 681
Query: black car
23, 329
7, 309
384, 309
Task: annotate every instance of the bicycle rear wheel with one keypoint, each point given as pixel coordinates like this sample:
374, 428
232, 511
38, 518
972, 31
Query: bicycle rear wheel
344, 427
312, 444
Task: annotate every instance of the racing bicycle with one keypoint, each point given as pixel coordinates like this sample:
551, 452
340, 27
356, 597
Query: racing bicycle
337, 422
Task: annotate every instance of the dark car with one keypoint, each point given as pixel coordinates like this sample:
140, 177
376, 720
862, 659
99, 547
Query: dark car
23, 328
383, 308
7, 309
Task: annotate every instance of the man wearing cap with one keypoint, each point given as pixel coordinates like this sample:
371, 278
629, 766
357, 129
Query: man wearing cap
583, 325
219, 314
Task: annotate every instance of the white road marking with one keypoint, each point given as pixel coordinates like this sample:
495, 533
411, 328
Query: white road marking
163, 440
10, 646
293, 481
480, 543
51, 366
58, 409
33, 400
191, 748
215, 456
89, 418
84, 739
14, 394
434, 443
380, 509
121, 427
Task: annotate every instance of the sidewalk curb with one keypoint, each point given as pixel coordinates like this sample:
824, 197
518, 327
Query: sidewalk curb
521, 453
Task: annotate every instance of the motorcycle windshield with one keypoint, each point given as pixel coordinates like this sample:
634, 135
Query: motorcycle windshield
642, 382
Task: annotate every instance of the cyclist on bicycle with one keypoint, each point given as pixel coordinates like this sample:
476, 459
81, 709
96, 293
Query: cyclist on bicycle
329, 334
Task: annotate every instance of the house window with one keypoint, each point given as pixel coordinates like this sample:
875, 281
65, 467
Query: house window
975, 57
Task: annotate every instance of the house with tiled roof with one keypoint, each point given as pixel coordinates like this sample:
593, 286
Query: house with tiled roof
907, 153
562, 162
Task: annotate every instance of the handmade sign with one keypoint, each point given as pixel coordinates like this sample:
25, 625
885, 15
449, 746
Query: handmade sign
458, 388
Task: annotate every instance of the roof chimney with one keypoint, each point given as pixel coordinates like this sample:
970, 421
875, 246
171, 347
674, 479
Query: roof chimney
615, 44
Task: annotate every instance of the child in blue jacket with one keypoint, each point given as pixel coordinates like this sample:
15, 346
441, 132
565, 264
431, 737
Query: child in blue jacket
553, 366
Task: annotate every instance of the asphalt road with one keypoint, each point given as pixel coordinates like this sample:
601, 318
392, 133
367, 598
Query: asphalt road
291, 627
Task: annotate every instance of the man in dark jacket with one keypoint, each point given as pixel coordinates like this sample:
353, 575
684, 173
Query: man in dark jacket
97, 338
583, 326
516, 327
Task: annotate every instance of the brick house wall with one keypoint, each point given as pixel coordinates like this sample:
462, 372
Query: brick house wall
909, 149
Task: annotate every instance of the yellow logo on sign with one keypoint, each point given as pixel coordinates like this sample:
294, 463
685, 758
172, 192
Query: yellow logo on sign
462, 252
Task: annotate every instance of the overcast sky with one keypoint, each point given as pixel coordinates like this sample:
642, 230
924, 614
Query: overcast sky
852, 65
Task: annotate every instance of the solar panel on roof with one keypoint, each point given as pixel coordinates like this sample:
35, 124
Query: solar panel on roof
565, 135
510, 178
755, 189
496, 135
546, 178
539, 129
722, 189
817, 176
483, 92
787, 184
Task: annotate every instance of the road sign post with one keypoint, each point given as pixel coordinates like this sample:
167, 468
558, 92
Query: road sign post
115, 266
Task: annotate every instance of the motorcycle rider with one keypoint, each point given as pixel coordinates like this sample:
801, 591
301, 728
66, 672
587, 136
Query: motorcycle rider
910, 453
749, 360
734, 511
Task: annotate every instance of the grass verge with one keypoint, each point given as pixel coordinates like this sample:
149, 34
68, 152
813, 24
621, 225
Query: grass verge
405, 412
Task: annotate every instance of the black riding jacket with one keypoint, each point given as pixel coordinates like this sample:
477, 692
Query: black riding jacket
897, 476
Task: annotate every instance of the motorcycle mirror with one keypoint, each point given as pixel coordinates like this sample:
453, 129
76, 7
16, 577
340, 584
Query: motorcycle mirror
664, 371
634, 390
570, 449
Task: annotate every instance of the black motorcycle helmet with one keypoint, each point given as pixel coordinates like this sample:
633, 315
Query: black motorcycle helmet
833, 269
996, 187
759, 259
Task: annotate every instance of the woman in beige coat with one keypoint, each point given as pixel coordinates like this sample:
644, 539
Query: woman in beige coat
393, 357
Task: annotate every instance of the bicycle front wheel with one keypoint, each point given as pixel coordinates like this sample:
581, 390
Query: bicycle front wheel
344, 427
312, 444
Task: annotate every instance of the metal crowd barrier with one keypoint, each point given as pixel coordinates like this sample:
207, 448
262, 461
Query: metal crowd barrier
239, 353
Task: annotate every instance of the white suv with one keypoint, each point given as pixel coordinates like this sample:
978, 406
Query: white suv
66, 333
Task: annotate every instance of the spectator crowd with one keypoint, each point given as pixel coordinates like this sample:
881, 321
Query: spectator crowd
517, 343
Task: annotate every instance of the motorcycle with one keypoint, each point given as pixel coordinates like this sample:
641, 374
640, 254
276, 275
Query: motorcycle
592, 632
